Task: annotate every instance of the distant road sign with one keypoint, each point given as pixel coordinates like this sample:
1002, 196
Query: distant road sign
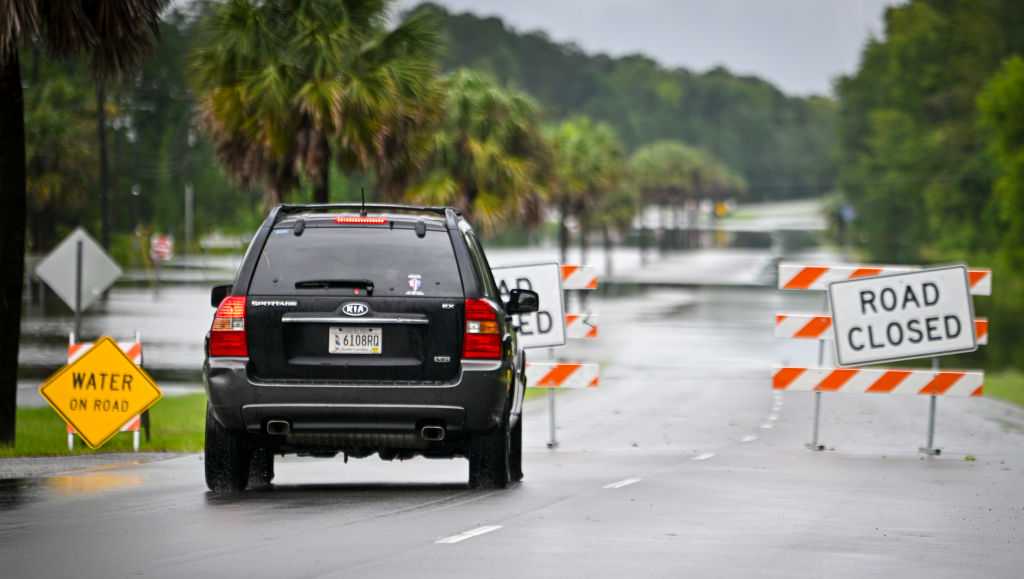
896, 317
58, 269
100, 391
546, 327
161, 247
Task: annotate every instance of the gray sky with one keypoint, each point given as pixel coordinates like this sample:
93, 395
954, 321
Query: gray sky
800, 45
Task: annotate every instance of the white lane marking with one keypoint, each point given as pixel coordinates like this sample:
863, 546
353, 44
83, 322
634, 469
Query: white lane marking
467, 535
748, 438
773, 417
704, 456
622, 483
767, 426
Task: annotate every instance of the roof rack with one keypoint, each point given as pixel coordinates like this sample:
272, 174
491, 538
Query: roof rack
450, 214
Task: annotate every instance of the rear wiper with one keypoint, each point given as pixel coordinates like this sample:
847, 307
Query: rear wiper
336, 284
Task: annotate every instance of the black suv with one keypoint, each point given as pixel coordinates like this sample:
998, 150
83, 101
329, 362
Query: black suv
363, 329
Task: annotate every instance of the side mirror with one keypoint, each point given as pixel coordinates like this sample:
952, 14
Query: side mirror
522, 301
218, 293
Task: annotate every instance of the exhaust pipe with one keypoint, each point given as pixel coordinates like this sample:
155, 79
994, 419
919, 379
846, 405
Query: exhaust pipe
432, 432
278, 427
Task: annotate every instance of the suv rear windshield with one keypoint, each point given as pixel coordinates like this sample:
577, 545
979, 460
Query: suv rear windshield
395, 261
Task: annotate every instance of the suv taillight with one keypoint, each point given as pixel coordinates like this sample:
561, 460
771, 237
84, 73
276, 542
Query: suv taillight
227, 336
482, 338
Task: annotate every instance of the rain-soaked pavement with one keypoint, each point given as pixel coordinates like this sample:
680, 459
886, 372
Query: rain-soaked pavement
682, 463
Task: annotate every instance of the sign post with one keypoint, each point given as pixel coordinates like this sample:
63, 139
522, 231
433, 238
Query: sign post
544, 328
78, 287
885, 318
814, 444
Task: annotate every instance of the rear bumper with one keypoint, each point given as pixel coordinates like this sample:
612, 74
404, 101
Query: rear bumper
473, 403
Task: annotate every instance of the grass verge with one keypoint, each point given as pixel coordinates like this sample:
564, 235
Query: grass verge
177, 425
1008, 386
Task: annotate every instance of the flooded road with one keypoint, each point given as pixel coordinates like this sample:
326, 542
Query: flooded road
682, 462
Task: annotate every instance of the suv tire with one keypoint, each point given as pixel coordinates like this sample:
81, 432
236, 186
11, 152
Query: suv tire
489, 458
227, 457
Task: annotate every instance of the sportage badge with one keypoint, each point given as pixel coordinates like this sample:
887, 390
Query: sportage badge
355, 309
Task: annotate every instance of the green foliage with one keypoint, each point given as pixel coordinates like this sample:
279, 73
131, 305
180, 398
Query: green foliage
670, 173
782, 146
932, 154
1001, 106
288, 86
61, 159
1008, 386
589, 163
488, 156
176, 422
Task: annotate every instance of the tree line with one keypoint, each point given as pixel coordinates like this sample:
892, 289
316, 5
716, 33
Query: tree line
112, 110
931, 130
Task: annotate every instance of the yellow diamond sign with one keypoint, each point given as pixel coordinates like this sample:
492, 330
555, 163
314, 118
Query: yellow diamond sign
99, 392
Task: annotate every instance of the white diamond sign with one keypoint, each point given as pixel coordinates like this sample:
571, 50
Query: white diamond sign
59, 268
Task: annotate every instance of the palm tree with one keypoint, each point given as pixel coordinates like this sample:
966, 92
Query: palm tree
669, 174
288, 87
115, 35
488, 156
589, 165
615, 216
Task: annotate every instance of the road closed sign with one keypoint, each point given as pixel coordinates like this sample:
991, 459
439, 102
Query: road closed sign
896, 317
99, 392
546, 327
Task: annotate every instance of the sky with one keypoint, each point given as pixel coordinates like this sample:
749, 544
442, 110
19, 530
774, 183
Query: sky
799, 45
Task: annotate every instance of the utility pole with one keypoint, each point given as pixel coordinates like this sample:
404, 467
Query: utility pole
190, 201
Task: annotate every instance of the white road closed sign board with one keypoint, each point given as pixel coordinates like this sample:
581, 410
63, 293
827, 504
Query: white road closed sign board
911, 315
545, 328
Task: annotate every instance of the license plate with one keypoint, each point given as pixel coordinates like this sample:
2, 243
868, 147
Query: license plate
355, 341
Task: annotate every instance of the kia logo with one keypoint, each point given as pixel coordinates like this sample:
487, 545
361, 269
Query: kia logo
355, 309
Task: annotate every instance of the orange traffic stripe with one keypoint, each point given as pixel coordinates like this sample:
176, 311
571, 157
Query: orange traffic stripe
805, 278
943, 381
976, 275
557, 375
835, 380
865, 272
785, 376
815, 327
980, 328
889, 381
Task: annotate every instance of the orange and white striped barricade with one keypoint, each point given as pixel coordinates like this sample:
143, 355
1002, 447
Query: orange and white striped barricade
581, 326
933, 383
555, 375
578, 277
567, 374
794, 276
133, 350
879, 381
819, 327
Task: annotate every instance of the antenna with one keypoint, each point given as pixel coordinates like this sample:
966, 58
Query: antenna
362, 210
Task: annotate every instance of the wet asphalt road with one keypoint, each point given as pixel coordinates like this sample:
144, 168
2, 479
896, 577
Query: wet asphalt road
683, 463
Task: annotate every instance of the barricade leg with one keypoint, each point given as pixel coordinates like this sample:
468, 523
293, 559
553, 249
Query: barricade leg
135, 440
814, 444
71, 441
929, 448
552, 441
